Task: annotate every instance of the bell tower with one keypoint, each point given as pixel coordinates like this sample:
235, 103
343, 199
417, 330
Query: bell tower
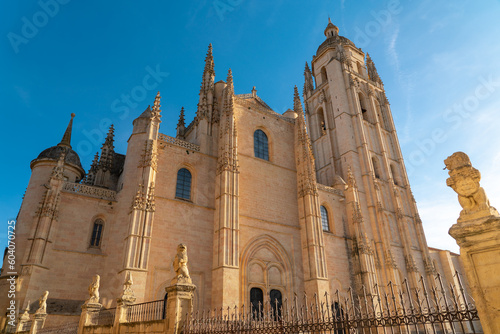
351, 127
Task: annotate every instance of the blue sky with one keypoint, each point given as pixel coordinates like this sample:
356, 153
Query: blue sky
438, 60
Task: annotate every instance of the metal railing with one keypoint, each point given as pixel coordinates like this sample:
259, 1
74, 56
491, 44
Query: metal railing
416, 310
148, 311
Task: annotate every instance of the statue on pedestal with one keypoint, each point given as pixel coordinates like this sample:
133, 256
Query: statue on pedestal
42, 304
94, 290
464, 179
180, 266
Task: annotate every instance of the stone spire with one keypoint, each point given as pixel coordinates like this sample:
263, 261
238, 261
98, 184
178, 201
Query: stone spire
89, 179
66, 139
156, 107
207, 87
181, 125
372, 71
107, 150
229, 96
308, 80
307, 170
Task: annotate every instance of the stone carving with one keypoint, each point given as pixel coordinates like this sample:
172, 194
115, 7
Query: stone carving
90, 191
128, 294
26, 315
180, 266
464, 180
177, 142
94, 291
42, 304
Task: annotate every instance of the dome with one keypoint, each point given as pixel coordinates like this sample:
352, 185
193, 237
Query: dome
333, 41
54, 152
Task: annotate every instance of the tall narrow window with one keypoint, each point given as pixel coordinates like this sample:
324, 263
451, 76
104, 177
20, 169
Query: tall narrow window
260, 145
376, 168
95, 240
364, 111
360, 68
324, 77
395, 176
183, 188
338, 315
257, 302
276, 302
324, 219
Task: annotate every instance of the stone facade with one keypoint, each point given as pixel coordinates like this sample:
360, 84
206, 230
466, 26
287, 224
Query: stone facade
325, 204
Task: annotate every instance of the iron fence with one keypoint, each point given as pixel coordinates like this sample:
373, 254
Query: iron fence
148, 311
391, 309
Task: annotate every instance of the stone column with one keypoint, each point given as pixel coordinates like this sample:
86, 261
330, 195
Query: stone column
180, 293
179, 305
89, 315
123, 303
477, 232
91, 308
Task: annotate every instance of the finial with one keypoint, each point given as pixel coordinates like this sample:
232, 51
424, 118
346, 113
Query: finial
156, 103
66, 139
229, 80
181, 118
297, 105
110, 137
329, 20
307, 69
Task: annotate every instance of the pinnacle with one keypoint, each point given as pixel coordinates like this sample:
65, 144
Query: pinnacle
181, 118
229, 80
297, 105
307, 69
66, 139
156, 104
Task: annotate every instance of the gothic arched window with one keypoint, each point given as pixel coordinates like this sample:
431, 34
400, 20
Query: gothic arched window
324, 219
260, 145
95, 239
183, 188
257, 302
276, 302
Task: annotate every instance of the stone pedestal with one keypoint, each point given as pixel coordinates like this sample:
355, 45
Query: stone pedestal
89, 315
479, 241
179, 304
38, 322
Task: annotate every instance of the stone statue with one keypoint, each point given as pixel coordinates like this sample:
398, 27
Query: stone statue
94, 290
42, 304
464, 179
180, 266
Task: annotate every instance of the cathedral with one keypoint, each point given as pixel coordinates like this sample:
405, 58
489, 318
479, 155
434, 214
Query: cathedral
269, 205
